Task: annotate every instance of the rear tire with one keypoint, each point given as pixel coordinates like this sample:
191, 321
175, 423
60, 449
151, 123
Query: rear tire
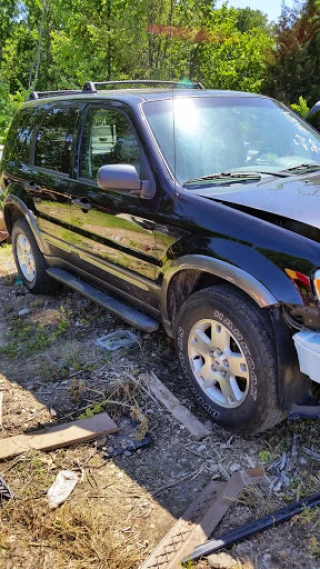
229, 360
29, 260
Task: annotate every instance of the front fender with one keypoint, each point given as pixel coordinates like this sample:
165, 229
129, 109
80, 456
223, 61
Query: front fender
244, 266
292, 384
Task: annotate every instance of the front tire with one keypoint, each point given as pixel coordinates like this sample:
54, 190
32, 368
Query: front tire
229, 360
29, 260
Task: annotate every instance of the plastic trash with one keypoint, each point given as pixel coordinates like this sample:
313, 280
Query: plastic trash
125, 441
116, 340
23, 312
5, 491
61, 488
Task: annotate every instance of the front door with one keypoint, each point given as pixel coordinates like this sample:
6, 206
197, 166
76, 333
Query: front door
113, 232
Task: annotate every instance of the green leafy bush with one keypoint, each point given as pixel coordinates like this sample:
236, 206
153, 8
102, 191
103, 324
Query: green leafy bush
301, 108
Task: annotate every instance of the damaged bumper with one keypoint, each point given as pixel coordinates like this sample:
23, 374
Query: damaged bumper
307, 343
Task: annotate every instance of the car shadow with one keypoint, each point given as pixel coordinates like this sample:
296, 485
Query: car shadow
173, 468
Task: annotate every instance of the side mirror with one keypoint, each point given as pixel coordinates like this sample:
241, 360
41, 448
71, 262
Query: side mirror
123, 178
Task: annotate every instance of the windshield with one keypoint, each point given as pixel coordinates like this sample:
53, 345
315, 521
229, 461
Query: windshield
199, 137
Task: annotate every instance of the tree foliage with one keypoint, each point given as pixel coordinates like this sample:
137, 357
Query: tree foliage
294, 67
53, 44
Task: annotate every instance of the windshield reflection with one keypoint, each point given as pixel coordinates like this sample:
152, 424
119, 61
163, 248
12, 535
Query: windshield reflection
200, 136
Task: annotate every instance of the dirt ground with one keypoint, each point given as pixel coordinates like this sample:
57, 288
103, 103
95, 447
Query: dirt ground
52, 371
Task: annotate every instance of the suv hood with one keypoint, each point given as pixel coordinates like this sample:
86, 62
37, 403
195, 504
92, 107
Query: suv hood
293, 199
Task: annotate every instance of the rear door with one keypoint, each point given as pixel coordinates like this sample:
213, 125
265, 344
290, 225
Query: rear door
113, 232
49, 175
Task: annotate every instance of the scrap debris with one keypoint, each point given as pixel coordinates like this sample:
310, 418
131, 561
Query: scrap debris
172, 403
62, 487
116, 340
239, 534
5, 492
200, 520
127, 440
59, 436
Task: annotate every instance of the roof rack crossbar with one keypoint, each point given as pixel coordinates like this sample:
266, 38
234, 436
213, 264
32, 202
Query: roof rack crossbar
91, 86
43, 94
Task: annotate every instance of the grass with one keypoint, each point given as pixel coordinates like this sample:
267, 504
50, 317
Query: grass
80, 535
26, 337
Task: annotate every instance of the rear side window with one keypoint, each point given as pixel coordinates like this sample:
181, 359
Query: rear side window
17, 147
54, 139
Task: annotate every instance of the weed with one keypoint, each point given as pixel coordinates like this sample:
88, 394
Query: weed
107, 357
25, 337
308, 516
265, 456
75, 389
315, 547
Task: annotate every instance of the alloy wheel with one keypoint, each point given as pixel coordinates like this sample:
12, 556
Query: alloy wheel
25, 258
218, 363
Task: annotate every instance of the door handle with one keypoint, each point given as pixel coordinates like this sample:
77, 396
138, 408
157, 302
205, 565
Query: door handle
82, 204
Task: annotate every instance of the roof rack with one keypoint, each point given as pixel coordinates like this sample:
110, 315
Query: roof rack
91, 86
43, 94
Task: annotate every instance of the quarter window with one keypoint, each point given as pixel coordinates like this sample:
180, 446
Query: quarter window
20, 134
108, 139
54, 140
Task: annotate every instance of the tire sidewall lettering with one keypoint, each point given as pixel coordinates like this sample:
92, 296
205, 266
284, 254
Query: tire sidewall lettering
253, 388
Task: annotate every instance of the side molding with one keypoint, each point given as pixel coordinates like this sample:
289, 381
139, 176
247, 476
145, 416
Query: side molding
230, 273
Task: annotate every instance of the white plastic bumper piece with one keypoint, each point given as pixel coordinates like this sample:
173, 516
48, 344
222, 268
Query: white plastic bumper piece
307, 344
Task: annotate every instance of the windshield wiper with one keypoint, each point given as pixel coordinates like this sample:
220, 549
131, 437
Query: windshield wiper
228, 176
307, 167
238, 175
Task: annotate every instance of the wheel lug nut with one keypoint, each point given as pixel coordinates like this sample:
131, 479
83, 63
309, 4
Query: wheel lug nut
224, 374
211, 354
218, 353
225, 363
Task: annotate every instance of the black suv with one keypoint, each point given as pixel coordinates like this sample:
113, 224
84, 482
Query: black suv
192, 208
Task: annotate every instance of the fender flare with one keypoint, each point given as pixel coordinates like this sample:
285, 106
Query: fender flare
12, 200
230, 273
261, 295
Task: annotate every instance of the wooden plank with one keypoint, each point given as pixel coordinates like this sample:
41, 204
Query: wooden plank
200, 520
59, 436
226, 498
174, 540
179, 411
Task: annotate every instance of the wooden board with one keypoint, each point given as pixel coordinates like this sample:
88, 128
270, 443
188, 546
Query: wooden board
175, 539
59, 436
188, 420
200, 520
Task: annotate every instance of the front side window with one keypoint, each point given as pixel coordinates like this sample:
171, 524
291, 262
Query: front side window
314, 119
108, 139
54, 139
